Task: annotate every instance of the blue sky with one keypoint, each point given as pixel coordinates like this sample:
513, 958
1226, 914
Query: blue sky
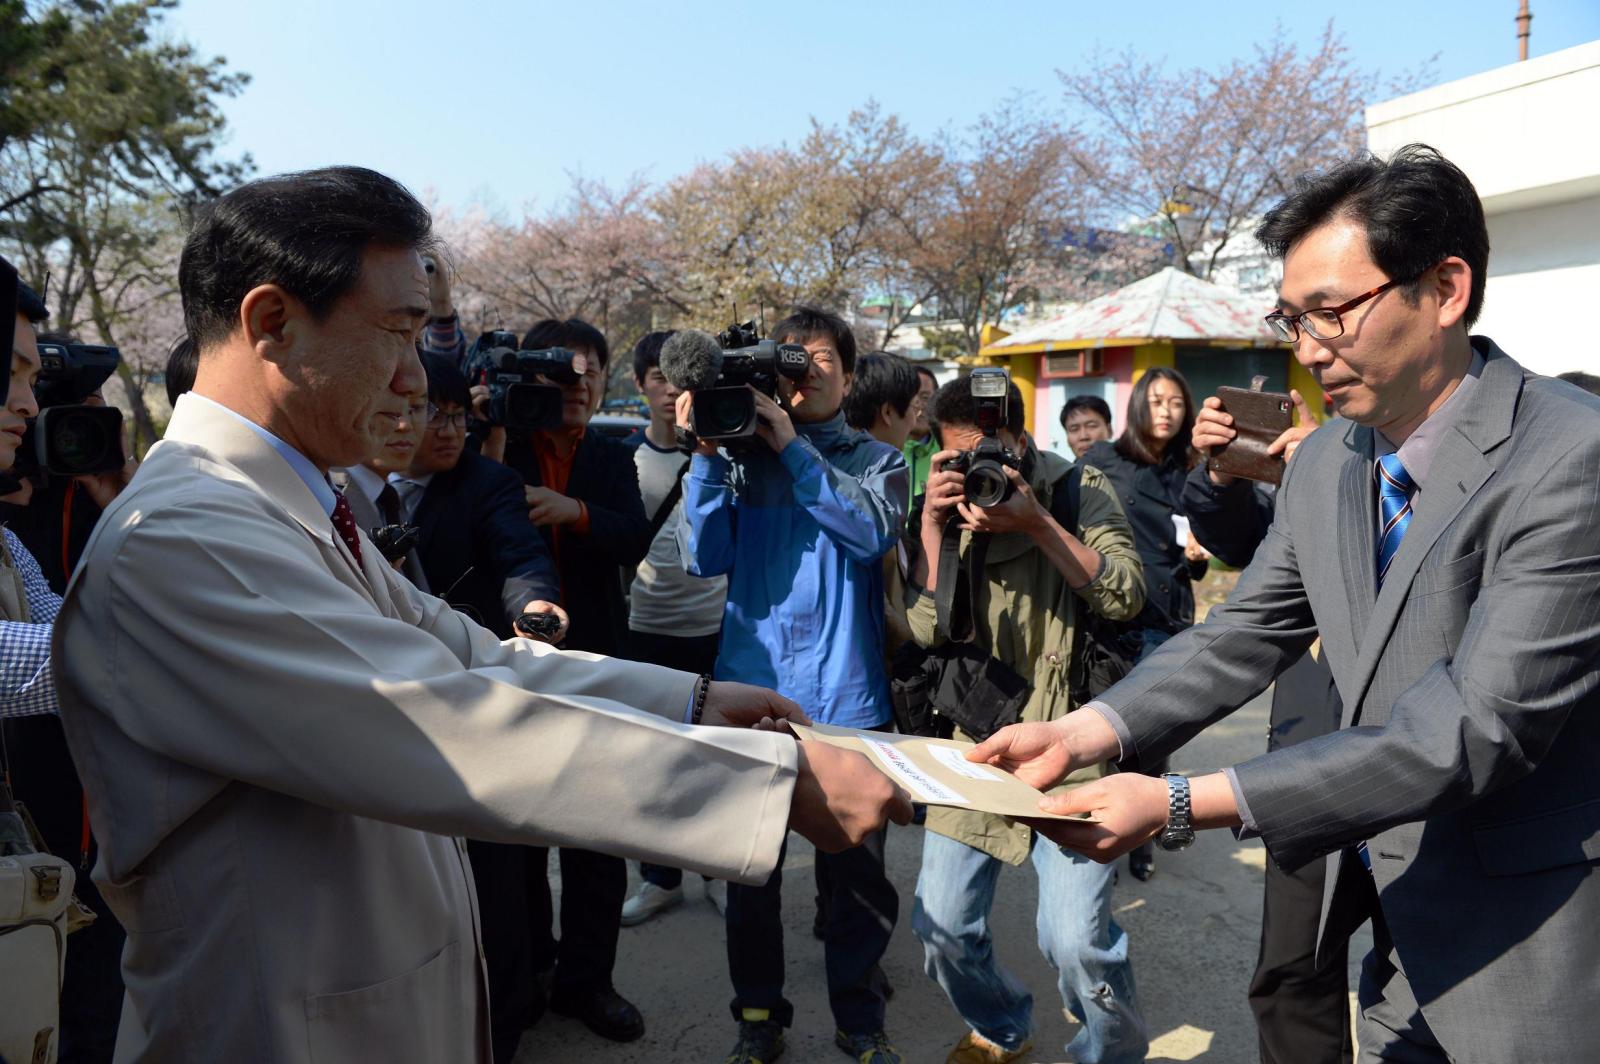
499, 102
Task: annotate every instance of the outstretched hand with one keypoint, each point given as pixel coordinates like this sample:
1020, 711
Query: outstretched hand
1129, 809
1041, 755
743, 705
1037, 754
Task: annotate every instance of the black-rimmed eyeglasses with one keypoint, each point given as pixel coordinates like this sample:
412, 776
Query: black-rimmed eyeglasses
438, 419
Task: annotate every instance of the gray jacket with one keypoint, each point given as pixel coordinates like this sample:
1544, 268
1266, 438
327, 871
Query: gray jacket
1471, 726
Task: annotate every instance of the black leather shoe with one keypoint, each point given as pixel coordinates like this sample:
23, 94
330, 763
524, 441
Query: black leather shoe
603, 1010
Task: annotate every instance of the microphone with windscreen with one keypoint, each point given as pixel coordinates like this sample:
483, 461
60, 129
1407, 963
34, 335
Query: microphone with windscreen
691, 360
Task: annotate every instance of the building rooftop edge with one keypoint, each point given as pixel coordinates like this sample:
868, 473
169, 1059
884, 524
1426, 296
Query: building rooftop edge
1487, 83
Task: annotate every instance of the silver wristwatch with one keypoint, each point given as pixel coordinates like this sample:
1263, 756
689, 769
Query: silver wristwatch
1179, 832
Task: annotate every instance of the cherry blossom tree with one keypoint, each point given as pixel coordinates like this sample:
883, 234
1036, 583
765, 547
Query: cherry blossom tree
1203, 153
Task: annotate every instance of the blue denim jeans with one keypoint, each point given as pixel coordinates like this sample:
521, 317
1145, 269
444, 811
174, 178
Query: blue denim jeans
955, 893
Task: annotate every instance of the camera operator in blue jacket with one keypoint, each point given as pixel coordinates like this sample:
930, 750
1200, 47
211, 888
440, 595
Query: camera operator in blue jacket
798, 517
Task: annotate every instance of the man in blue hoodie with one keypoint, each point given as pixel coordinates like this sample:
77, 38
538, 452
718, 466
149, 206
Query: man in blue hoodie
799, 518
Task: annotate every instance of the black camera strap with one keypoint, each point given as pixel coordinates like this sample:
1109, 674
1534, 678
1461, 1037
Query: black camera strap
959, 596
664, 511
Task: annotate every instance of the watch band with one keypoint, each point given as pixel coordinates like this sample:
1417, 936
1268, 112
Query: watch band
1179, 830
1178, 804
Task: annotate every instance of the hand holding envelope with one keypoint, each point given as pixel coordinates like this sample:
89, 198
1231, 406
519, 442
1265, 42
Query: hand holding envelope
937, 772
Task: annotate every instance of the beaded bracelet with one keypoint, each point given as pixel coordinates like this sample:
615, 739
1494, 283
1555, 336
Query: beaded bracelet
702, 687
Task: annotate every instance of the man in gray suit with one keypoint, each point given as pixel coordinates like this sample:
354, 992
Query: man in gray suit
281, 738
1443, 537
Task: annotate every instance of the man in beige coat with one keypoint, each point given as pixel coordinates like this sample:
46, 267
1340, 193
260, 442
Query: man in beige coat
281, 738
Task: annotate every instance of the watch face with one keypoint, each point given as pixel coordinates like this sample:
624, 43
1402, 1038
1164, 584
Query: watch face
1175, 840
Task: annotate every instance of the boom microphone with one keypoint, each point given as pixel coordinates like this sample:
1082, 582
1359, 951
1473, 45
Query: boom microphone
691, 360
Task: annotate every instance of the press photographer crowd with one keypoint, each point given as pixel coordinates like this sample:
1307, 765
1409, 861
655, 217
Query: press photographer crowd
297, 707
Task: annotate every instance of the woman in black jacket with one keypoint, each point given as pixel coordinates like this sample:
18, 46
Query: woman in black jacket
1147, 465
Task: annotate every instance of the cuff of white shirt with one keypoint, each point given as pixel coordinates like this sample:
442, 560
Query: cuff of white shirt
1118, 725
1248, 829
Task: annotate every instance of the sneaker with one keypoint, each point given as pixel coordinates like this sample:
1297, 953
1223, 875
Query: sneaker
760, 1042
873, 1048
717, 895
650, 900
976, 1049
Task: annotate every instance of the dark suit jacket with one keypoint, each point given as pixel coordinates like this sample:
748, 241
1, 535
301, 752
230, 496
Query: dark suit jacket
1471, 723
1150, 496
591, 563
474, 517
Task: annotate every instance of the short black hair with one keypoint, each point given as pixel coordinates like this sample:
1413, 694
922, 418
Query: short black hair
647, 352
574, 334
924, 371
30, 306
1587, 381
805, 324
1092, 403
880, 378
952, 405
306, 232
1417, 207
446, 382
182, 364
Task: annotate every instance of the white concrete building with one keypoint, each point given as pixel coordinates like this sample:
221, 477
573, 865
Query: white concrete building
1526, 135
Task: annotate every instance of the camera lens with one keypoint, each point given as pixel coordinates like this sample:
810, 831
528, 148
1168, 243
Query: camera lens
724, 412
532, 406
81, 443
986, 483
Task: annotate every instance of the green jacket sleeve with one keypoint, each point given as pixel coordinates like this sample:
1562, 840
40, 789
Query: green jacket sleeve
1117, 591
923, 617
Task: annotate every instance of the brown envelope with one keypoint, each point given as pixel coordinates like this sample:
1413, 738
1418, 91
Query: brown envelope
936, 771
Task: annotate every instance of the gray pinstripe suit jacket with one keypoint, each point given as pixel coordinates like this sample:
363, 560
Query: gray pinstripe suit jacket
1469, 750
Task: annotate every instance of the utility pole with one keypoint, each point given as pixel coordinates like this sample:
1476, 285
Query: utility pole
1524, 20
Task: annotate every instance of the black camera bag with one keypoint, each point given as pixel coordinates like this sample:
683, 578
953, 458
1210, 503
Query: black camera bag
958, 683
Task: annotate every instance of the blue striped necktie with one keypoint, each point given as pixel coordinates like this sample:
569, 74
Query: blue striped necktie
1394, 509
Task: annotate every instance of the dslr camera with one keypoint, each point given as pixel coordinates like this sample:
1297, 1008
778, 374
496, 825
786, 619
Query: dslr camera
519, 398
69, 438
985, 483
727, 410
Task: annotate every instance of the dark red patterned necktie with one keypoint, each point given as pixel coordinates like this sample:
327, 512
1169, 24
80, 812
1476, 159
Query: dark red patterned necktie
344, 523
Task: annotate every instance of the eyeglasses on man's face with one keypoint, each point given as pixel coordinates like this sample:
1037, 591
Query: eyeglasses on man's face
438, 419
1321, 323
